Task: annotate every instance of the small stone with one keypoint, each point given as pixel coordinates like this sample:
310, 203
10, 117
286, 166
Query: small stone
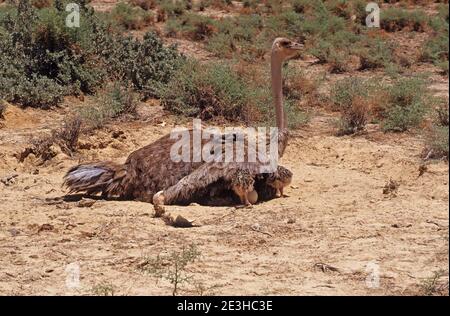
86, 202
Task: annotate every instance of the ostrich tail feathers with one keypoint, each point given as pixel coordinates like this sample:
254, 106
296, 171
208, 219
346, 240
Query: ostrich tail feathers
103, 177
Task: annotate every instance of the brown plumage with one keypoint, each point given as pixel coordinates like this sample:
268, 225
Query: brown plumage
150, 170
279, 180
242, 183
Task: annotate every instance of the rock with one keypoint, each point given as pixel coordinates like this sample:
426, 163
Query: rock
9, 180
179, 221
46, 227
14, 232
86, 202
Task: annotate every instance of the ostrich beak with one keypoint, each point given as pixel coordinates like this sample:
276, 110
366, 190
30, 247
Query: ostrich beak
296, 46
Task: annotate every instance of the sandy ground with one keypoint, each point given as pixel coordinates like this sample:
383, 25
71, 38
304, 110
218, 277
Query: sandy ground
336, 216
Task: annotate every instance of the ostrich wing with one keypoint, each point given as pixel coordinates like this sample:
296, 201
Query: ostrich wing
206, 174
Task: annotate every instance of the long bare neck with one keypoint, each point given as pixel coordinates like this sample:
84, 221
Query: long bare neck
277, 90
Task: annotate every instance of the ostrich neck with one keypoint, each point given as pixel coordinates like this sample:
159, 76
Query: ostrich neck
277, 90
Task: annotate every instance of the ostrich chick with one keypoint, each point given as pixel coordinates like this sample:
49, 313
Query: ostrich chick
242, 183
279, 180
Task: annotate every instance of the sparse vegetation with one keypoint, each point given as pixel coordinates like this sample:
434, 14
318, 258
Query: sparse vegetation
396, 19
172, 267
117, 99
435, 49
406, 105
131, 18
434, 286
352, 97
103, 289
2, 109
438, 134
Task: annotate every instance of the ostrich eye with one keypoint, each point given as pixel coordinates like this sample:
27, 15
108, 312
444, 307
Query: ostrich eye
285, 43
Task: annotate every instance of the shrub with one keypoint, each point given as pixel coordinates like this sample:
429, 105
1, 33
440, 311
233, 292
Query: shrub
395, 19
131, 18
192, 26
407, 105
2, 109
216, 91
39, 60
67, 136
352, 97
207, 91
147, 64
438, 142
173, 8
118, 99
437, 137
144, 4
42, 60
375, 53
435, 50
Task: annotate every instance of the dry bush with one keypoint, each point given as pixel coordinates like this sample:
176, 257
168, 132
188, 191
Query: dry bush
67, 136
2, 109
41, 3
354, 118
144, 4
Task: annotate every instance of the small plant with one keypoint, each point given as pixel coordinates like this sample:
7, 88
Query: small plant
67, 136
437, 139
103, 289
172, 267
391, 188
434, 286
2, 109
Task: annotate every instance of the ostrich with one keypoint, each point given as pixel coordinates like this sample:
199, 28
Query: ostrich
150, 175
242, 182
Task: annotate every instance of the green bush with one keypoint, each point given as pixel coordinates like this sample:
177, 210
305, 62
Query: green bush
147, 63
39, 62
407, 105
192, 26
42, 60
435, 49
438, 142
216, 91
396, 19
131, 18
118, 99
352, 97
207, 91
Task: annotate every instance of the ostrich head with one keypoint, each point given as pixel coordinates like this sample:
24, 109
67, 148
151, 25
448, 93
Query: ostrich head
283, 49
